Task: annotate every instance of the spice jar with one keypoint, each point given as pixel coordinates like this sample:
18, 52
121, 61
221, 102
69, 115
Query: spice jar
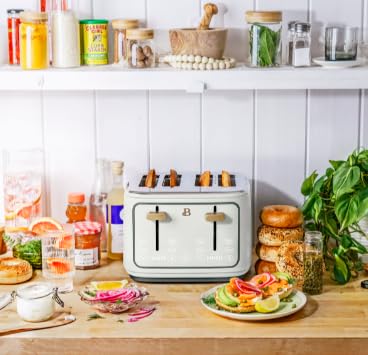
313, 263
301, 54
33, 40
76, 210
264, 38
290, 42
87, 245
141, 50
13, 35
120, 41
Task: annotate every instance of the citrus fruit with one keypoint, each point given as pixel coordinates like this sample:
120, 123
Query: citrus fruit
268, 305
44, 224
15, 229
25, 211
58, 265
108, 285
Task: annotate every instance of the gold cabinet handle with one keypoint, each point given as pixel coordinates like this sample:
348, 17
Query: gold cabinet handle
215, 217
157, 216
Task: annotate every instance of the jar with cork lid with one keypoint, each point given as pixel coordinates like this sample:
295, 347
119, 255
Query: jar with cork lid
120, 27
141, 49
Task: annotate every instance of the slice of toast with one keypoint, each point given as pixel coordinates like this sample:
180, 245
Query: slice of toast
205, 179
225, 179
150, 179
173, 178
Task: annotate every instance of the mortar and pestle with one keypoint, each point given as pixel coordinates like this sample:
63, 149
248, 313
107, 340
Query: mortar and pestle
202, 41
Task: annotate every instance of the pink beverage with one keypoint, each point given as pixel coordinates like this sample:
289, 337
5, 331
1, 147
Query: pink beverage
23, 175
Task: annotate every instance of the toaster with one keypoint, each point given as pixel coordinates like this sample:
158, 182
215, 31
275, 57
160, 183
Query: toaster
187, 233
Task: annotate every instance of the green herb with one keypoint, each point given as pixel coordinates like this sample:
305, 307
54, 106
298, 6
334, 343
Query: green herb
293, 305
94, 316
335, 203
30, 251
120, 321
209, 300
313, 273
119, 301
265, 289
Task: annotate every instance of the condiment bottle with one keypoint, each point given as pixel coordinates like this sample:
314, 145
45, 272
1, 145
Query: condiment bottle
76, 210
313, 263
65, 36
120, 28
33, 30
13, 35
115, 206
301, 55
290, 42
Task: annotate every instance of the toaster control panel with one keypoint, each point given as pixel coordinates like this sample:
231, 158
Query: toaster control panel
190, 235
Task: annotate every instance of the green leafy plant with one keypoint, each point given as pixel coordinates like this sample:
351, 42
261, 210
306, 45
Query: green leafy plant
335, 203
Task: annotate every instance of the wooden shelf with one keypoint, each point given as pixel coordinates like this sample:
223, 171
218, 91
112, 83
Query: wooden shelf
166, 78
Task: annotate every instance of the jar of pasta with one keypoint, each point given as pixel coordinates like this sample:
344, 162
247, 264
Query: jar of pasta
120, 28
141, 49
34, 40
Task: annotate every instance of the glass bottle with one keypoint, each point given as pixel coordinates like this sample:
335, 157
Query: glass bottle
290, 42
13, 35
313, 263
115, 206
301, 55
98, 198
76, 210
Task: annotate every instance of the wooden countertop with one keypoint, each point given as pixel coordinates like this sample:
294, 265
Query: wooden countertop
335, 322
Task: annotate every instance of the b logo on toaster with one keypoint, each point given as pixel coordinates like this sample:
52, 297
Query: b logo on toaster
186, 212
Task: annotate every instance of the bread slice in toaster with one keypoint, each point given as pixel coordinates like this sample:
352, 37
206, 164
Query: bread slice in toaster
173, 178
205, 179
225, 179
151, 179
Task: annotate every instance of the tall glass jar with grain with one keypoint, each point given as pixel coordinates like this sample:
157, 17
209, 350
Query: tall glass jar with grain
120, 27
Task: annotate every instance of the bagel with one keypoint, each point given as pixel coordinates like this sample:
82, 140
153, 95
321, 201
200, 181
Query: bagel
266, 252
262, 266
274, 237
281, 216
238, 309
14, 271
290, 260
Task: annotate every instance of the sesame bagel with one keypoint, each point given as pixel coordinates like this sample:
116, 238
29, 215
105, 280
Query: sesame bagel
274, 237
281, 216
14, 271
290, 259
238, 309
266, 252
262, 266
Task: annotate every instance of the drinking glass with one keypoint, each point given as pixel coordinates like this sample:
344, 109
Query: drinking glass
341, 43
58, 258
23, 175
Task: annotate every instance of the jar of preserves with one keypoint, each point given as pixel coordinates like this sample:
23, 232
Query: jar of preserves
34, 40
264, 38
87, 245
120, 41
76, 210
13, 35
141, 49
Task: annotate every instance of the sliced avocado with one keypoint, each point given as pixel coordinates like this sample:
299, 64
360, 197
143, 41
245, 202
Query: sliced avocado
230, 296
224, 299
284, 276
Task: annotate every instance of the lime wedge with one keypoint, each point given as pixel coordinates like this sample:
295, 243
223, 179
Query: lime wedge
268, 305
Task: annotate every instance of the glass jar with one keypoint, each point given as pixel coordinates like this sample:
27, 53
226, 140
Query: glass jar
313, 263
76, 210
301, 54
120, 41
87, 245
341, 43
264, 38
34, 40
290, 42
141, 49
13, 35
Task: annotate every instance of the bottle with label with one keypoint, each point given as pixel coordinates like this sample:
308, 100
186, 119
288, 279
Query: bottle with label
114, 214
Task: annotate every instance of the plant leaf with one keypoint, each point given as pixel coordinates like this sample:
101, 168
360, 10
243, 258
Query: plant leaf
307, 186
341, 271
345, 179
346, 210
363, 204
317, 208
308, 205
336, 163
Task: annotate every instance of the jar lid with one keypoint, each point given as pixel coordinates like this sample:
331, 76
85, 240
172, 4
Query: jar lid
94, 22
33, 16
302, 27
124, 24
76, 197
35, 290
263, 16
291, 25
87, 228
140, 33
14, 11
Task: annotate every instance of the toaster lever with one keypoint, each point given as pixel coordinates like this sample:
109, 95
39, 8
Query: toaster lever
157, 216
215, 217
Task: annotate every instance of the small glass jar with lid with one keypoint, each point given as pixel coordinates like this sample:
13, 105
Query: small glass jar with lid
76, 210
290, 42
141, 49
301, 54
120, 27
13, 35
264, 38
33, 30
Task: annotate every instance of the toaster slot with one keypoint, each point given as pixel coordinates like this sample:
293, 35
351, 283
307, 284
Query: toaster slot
142, 183
215, 231
157, 231
166, 182
232, 181
197, 183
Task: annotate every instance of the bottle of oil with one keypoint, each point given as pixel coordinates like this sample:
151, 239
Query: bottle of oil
115, 206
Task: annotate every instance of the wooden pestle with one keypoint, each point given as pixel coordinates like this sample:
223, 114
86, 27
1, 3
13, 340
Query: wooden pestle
209, 11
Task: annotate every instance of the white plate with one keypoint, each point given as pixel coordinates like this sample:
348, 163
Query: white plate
336, 64
286, 308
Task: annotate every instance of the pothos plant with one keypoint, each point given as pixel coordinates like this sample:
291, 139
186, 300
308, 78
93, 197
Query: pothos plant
335, 203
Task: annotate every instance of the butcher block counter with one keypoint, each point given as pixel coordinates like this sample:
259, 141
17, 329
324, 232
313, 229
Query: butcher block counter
335, 322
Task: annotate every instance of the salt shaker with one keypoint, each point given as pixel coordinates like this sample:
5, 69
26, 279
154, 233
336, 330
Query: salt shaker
301, 54
290, 42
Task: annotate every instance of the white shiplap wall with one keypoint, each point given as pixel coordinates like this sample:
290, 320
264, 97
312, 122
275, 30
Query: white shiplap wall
274, 137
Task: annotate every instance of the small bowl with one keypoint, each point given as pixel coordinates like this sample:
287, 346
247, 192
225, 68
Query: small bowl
209, 43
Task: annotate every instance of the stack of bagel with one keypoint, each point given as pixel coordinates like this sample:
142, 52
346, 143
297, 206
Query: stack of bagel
280, 237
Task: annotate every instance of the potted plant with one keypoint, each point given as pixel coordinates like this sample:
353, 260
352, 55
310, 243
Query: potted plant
335, 203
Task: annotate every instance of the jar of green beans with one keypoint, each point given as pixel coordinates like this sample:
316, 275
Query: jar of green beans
264, 38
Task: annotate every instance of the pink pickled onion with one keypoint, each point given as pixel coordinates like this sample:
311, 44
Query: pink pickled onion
259, 282
246, 287
140, 314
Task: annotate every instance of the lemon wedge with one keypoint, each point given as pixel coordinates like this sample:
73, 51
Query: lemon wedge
268, 305
108, 285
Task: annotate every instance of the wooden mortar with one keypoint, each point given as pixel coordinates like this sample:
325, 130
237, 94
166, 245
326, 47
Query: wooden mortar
210, 43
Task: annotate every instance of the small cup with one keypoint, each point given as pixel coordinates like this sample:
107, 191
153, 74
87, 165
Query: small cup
341, 43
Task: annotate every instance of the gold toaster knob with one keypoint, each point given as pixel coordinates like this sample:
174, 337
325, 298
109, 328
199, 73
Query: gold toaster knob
157, 216
215, 217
